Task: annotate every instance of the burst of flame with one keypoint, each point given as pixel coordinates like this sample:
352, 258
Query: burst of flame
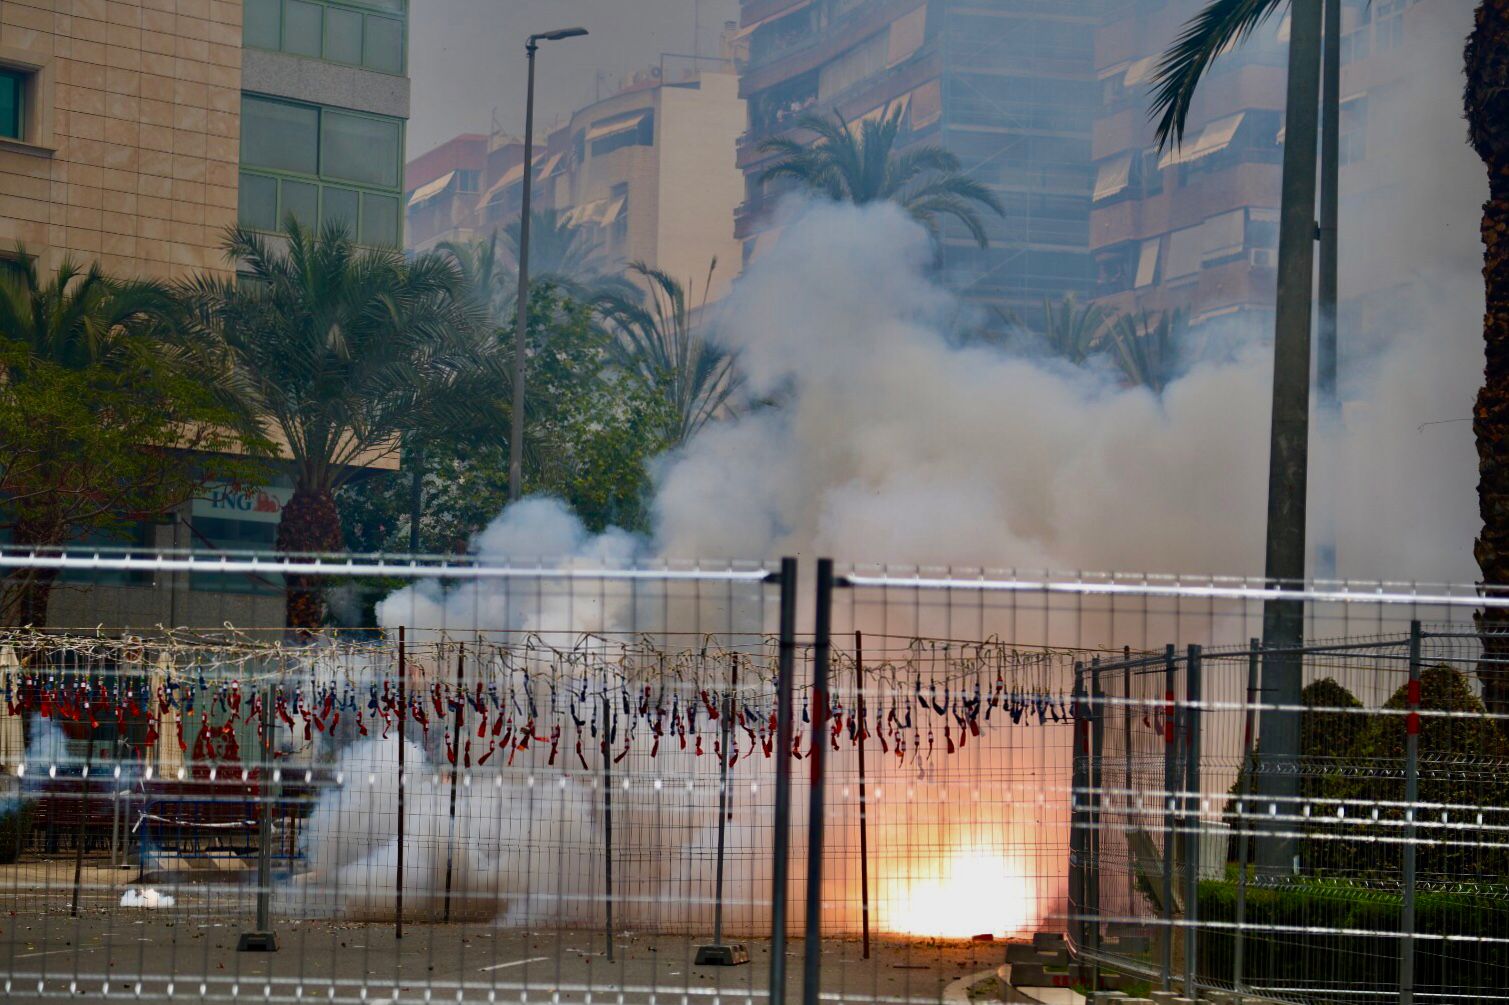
971, 891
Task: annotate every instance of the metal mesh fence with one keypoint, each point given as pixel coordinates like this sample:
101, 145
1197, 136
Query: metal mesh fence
587, 784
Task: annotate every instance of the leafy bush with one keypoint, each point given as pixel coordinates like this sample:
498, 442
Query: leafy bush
1290, 958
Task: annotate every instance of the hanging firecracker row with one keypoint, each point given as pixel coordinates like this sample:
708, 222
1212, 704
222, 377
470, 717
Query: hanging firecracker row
931, 703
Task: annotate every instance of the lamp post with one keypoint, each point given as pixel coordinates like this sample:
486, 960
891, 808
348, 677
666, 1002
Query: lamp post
516, 434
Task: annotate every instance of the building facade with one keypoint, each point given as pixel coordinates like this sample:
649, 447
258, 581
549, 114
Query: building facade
1195, 229
134, 132
647, 174
1007, 86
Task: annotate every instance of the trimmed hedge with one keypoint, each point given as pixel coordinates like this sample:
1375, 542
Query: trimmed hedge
1291, 959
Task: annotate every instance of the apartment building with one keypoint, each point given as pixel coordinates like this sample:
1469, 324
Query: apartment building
441, 189
1008, 86
1196, 228
134, 132
647, 174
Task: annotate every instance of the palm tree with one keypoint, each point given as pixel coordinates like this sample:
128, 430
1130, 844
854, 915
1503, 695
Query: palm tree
107, 397
1146, 347
661, 344
1223, 23
351, 349
928, 182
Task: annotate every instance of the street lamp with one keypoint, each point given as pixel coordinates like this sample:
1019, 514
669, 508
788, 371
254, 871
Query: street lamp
516, 434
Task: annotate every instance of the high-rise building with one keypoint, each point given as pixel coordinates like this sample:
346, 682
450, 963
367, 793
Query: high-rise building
646, 174
1006, 85
134, 132
1196, 228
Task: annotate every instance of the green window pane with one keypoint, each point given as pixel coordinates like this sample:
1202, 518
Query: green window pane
12, 99
343, 35
302, 199
360, 149
384, 44
379, 219
278, 135
301, 28
257, 202
262, 23
339, 207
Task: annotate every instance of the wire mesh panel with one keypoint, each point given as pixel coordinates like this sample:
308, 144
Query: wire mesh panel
514, 783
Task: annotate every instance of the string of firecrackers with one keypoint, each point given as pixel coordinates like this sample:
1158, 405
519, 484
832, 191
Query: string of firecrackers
595, 702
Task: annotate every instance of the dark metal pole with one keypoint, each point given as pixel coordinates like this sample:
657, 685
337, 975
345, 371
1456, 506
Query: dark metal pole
1170, 794
1411, 810
1097, 778
264, 826
864, 834
1288, 458
723, 807
403, 711
1126, 750
416, 500
812, 959
1078, 785
450, 840
1192, 697
608, 819
780, 855
521, 327
1244, 793
1329, 284
78, 854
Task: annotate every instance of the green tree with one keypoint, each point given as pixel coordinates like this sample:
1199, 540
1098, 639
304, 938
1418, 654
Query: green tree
1146, 347
927, 181
1223, 23
1071, 331
660, 341
110, 411
590, 433
351, 349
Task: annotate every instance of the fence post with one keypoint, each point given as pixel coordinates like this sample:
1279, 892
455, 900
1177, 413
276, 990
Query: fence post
403, 713
1126, 751
1411, 805
781, 848
78, 853
1170, 784
450, 837
607, 748
864, 837
812, 959
1192, 823
1097, 778
263, 939
1244, 792
1077, 814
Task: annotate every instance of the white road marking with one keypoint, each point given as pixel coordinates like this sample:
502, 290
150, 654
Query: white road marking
514, 963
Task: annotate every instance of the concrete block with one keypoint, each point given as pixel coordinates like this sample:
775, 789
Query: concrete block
1048, 941
1021, 952
1035, 975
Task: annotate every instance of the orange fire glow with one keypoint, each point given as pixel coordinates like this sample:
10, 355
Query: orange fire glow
973, 891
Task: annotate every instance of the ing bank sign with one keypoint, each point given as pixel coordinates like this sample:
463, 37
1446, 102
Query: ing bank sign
258, 504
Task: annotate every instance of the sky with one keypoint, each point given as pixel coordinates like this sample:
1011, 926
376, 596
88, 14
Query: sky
466, 57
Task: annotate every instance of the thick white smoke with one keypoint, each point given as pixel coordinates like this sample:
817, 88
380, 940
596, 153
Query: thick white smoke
892, 442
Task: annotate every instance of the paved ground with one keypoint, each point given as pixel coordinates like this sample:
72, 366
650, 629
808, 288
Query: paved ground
190, 952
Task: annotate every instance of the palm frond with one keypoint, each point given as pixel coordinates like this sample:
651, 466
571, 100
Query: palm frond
1221, 24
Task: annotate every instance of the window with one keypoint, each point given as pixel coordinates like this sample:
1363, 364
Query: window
360, 148
468, 181
12, 104
1354, 130
1224, 236
320, 165
636, 129
1185, 250
351, 33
